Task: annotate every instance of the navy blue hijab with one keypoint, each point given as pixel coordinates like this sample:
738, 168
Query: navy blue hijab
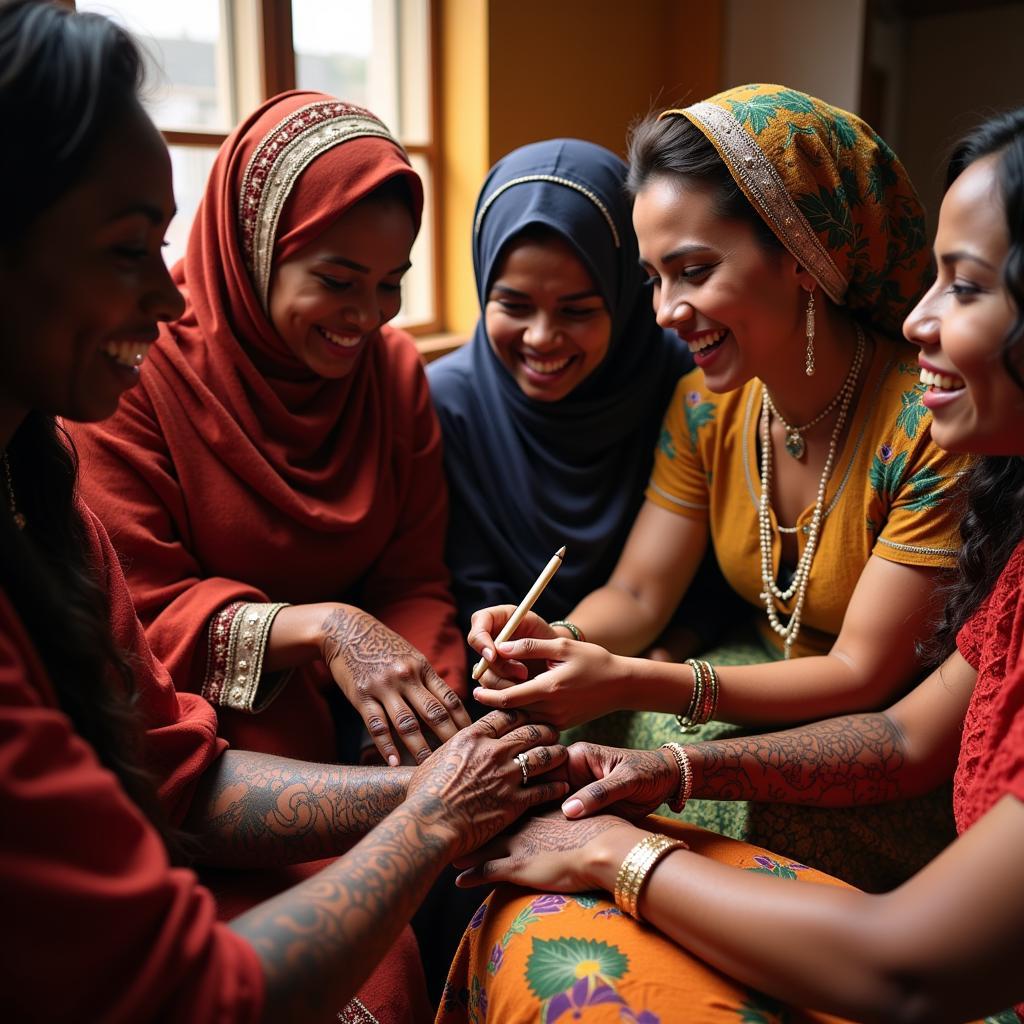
527, 476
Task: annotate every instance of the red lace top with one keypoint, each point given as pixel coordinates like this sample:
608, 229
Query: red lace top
992, 749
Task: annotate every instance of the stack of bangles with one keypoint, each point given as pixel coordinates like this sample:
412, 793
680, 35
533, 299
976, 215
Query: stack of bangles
703, 700
637, 866
577, 633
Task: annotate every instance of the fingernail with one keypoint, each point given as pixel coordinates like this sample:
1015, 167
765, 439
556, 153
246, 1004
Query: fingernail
572, 808
393, 760
506, 647
487, 654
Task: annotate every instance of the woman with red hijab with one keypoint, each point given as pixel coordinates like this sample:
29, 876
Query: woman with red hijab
113, 785
274, 486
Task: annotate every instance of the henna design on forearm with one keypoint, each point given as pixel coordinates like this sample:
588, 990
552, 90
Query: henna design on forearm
259, 810
320, 940
841, 762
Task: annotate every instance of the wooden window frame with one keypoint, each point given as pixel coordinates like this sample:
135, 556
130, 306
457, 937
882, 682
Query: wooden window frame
273, 27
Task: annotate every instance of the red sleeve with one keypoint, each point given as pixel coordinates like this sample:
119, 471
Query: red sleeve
181, 729
408, 587
128, 477
971, 636
1007, 767
98, 925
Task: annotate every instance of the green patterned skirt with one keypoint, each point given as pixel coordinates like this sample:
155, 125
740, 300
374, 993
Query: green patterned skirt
874, 848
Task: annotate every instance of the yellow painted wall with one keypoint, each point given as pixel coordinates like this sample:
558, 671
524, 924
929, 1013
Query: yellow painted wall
517, 71
588, 67
464, 134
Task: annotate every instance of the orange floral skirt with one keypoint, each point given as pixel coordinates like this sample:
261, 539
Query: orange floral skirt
547, 958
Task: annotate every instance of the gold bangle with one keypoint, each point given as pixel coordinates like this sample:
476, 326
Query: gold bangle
689, 719
577, 633
637, 866
712, 708
704, 700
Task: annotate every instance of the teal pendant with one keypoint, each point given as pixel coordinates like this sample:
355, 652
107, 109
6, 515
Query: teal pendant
795, 444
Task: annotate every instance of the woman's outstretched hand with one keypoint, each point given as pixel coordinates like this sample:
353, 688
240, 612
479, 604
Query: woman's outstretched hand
631, 783
547, 852
389, 682
473, 786
581, 681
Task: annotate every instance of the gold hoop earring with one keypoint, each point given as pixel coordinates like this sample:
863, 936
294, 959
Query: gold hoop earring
809, 331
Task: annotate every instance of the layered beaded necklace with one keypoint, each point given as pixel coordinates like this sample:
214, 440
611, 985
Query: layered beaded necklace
798, 584
795, 443
19, 519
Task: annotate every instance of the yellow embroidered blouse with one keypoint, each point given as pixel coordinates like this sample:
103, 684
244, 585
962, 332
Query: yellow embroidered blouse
890, 493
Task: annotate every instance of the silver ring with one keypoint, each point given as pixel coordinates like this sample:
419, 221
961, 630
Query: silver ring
524, 766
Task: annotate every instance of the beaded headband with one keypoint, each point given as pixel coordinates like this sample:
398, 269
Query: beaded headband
555, 180
282, 155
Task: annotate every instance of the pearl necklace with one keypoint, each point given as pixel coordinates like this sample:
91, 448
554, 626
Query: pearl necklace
19, 519
798, 585
795, 443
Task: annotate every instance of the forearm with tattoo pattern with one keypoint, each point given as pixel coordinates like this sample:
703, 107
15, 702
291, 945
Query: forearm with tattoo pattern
841, 762
259, 809
319, 940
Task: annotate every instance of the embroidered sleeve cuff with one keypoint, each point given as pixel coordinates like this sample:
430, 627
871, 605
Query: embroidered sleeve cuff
234, 667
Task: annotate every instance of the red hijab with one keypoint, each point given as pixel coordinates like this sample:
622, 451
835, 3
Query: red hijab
270, 419
233, 472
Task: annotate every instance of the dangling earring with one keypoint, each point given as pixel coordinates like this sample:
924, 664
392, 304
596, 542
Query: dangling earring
809, 330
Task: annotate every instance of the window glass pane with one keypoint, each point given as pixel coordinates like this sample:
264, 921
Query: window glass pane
414, 59
334, 43
191, 166
187, 59
418, 283
372, 52
377, 53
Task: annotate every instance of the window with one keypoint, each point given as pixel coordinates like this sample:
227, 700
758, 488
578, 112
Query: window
208, 62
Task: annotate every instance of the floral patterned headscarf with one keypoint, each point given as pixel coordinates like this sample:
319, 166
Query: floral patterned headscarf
830, 189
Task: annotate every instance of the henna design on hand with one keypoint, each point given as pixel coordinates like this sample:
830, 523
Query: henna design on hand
365, 644
380, 671
552, 833
635, 781
319, 940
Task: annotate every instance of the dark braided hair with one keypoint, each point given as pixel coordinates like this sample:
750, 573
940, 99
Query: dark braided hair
64, 78
993, 524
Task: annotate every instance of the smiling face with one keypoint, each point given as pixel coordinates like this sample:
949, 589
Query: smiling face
83, 290
545, 318
964, 319
328, 298
738, 305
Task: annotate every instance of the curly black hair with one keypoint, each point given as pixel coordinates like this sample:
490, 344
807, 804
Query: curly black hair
993, 524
